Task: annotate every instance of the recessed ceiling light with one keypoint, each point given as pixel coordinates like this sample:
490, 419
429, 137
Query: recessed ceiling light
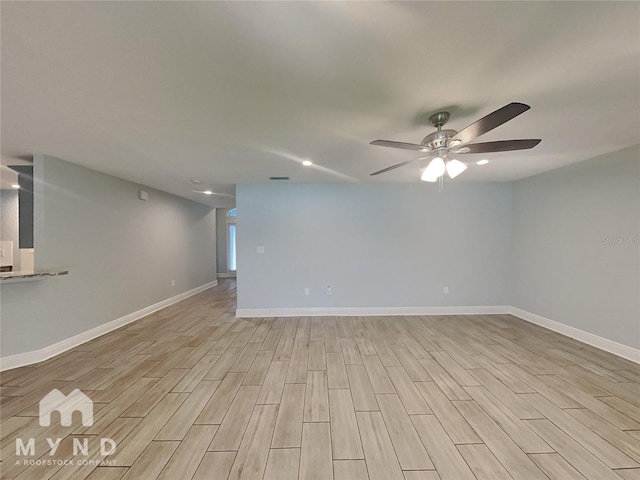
208, 192
482, 162
15, 185
307, 163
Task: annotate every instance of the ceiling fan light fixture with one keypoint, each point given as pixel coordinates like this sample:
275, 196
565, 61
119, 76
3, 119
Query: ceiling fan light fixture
455, 168
482, 162
428, 178
434, 170
454, 143
425, 149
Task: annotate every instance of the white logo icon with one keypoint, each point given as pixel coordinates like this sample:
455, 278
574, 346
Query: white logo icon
66, 405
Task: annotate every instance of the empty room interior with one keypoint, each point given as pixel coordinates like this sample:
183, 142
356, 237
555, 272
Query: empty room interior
320, 240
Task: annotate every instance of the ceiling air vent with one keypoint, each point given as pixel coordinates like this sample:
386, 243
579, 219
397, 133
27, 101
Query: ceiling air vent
278, 178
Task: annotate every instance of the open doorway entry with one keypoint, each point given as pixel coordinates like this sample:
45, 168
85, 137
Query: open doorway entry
231, 242
226, 237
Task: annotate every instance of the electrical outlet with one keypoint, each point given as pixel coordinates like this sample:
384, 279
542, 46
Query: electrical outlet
328, 290
173, 283
445, 290
306, 291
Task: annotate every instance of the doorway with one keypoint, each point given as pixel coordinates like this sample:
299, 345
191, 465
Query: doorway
231, 242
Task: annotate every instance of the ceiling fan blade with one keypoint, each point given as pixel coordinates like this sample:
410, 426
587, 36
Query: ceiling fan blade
389, 143
491, 121
398, 165
500, 146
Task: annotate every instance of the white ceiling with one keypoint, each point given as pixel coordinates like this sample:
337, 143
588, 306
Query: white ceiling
235, 92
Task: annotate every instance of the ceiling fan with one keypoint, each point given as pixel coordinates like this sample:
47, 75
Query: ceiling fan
441, 145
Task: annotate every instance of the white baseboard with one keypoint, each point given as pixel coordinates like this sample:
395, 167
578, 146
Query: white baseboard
226, 275
367, 311
610, 346
624, 351
36, 356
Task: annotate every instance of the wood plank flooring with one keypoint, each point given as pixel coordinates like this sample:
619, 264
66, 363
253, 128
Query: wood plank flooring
190, 392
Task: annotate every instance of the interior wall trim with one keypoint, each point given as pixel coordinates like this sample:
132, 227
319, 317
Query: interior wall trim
37, 356
368, 311
624, 351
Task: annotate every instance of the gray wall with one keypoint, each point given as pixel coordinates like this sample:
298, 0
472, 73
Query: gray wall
575, 246
375, 245
9, 222
122, 254
221, 238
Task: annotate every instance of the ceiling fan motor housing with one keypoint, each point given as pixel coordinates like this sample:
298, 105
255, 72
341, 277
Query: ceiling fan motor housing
438, 139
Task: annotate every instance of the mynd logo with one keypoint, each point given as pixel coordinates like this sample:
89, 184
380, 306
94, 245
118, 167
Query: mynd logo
65, 405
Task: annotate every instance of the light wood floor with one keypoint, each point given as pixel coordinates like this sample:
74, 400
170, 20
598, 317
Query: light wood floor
191, 392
